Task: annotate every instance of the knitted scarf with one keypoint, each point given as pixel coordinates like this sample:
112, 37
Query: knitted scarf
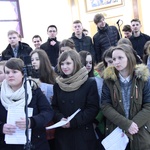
14, 98
74, 82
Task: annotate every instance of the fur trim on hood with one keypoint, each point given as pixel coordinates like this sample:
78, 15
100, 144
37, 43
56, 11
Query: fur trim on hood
141, 72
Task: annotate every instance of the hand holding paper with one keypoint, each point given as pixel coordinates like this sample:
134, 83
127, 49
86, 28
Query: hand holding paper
63, 122
117, 140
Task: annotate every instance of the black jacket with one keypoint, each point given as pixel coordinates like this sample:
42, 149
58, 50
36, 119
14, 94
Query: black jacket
42, 114
52, 51
80, 135
104, 39
85, 43
23, 50
139, 42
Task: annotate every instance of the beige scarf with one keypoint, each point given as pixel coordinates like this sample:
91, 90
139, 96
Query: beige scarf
17, 98
74, 82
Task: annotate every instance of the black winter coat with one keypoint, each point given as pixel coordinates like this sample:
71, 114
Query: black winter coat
80, 135
85, 43
42, 114
52, 51
23, 50
139, 42
104, 39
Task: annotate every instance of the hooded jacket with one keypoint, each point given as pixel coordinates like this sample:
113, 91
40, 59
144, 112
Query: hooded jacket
112, 106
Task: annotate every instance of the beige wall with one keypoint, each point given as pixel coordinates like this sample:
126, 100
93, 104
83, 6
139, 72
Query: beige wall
112, 14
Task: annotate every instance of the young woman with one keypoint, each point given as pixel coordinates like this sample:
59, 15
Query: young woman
40, 62
106, 62
126, 98
72, 91
146, 55
13, 95
87, 61
65, 45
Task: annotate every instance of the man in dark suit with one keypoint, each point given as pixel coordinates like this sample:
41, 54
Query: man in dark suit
51, 47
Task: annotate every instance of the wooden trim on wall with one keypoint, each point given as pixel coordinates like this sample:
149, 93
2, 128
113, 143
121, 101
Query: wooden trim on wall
135, 9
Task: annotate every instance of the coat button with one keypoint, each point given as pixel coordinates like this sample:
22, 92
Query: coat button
86, 128
120, 101
106, 128
38, 136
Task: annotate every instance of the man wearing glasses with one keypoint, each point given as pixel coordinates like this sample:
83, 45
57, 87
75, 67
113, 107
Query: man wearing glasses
51, 47
37, 41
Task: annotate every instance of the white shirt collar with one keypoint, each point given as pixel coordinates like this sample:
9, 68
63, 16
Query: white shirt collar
124, 79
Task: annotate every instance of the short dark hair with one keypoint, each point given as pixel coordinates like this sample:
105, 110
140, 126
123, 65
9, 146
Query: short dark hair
52, 26
14, 63
67, 42
85, 30
77, 21
127, 28
37, 36
136, 20
98, 17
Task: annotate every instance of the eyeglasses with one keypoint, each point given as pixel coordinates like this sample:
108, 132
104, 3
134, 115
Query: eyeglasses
52, 30
36, 41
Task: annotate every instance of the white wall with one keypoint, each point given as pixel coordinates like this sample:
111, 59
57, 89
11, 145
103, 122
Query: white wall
145, 16
37, 15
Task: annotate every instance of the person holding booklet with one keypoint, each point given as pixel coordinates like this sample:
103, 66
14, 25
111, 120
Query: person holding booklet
13, 95
74, 90
126, 98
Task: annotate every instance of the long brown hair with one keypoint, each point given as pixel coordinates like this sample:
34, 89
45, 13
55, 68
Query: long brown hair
74, 56
128, 50
47, 74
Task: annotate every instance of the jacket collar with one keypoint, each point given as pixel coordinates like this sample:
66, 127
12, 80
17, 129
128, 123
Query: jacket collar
141, 72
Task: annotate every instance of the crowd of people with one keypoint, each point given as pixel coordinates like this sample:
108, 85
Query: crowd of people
106, 77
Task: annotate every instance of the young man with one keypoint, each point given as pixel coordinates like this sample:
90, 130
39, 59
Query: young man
51, 47
81, 41
15, 48
37, 41
127, 31
138, 39
106, 36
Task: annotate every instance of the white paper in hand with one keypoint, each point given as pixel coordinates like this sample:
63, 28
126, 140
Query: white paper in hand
117, 140
63, 122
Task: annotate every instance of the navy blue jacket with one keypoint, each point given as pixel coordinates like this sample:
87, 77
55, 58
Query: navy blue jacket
42, 114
